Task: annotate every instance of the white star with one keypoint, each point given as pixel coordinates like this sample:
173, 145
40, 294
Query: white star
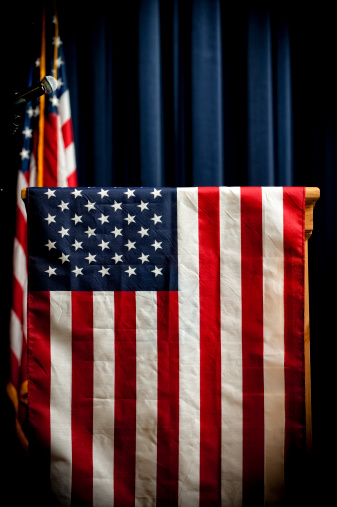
156, 193
50, 244
63, 205
156, 244
50, 219
59, 83
37, 62
143, 205
27, 132
77, 244
77, 193
103, 193
156, 218
36, 111
130, 218
130, 193
116, 205
30, 112
90, 205
77, 218
59, 62
104, 245
57, 41
104, 218
104, 271
91, 258
64, 258
77, 271
24, 154
117, 258
50, 193
143, 232
50, 271
116, 232
54, 100
90, 232
130, 271
63, 232
130, 244
157, 271
144, 258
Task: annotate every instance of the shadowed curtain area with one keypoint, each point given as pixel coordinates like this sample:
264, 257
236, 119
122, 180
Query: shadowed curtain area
200, 93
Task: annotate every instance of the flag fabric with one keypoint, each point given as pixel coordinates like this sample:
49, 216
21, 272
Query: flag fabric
165, 338
47, 158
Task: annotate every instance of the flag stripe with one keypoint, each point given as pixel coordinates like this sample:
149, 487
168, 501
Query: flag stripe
189, 347
273, 342
103, 400
125, 398
61, 395
294, 231
67, 133
252, 346
82, 397
50, 152
168, 398
146, 396
210, 351
39, 390
231, 346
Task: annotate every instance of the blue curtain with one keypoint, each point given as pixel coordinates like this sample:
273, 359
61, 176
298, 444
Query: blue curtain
194, 92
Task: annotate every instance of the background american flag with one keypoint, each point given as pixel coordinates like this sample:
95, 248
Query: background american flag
47, 157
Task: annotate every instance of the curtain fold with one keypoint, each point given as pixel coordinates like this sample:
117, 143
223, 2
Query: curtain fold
183, 93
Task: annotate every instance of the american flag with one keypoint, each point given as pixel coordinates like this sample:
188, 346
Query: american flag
166, 355
47, 158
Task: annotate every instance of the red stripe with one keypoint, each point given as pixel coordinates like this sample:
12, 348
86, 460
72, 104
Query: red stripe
67, 133
21, 229
294, 236
50, 152
17, 299
210, 350
168, 399
72, 179
125, 398
252, 346
82, 397
38, 324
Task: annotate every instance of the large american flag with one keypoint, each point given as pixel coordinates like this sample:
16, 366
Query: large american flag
165, 331
47, 158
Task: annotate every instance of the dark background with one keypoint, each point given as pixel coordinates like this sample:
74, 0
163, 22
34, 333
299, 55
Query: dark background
103, 44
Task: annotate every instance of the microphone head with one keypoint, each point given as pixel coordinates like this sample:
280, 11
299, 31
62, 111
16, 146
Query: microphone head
49, 83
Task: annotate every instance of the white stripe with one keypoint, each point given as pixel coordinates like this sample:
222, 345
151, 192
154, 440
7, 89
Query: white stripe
19, 263
15, 330
189, 347
61, 163
273, 343
146, 404
64, 107
70, 159
231, 347
60, 395
103, 398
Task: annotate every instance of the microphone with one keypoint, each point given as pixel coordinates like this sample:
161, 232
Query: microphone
47, 85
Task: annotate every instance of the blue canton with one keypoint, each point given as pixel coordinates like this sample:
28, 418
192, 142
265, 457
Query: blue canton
109, 239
